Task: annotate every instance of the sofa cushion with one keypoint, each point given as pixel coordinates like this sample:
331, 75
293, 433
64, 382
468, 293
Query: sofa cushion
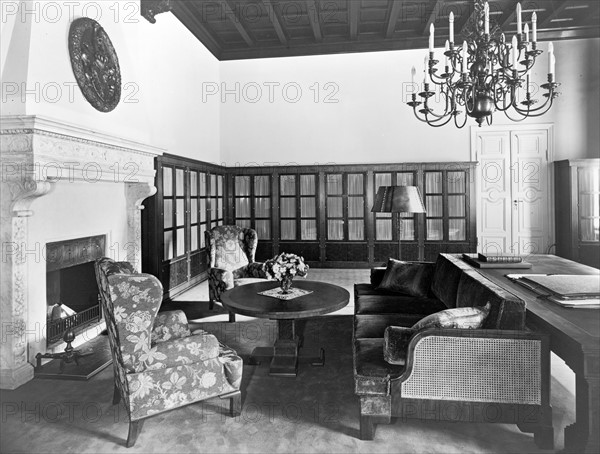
459, 317
444, 284
409, 278
371, 373
368, 300
507, 311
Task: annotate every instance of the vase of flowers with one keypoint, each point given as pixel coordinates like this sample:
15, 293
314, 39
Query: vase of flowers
284, 268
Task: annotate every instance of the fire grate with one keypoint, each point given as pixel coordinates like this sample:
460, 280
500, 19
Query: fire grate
56, 328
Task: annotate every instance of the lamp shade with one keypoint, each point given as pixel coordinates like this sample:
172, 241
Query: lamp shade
398, 199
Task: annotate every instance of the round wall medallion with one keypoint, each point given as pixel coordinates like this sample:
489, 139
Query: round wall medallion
95, 64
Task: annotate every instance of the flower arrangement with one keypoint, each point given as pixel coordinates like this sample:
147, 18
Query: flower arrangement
284, 268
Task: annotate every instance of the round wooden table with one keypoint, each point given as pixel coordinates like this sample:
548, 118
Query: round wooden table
285, 353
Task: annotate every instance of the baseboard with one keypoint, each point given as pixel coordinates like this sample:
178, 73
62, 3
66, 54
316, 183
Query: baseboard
13, 378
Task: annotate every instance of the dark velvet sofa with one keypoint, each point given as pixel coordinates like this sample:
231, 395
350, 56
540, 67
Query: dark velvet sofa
499, 373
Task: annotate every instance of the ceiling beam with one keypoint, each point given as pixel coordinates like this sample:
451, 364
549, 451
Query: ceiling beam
192, 20
314, 17
394, 12
432, 16
558, 8
237, 22
353, 7
276, 20
508, 15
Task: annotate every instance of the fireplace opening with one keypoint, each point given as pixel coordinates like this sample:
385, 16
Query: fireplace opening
72, 295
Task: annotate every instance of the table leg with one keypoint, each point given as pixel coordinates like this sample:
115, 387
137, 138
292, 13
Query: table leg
286, 353
583, 434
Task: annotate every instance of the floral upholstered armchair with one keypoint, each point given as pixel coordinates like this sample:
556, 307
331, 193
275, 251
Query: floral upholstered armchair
231, 251
158, 364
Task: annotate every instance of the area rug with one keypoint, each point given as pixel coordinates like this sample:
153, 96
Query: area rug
316, 411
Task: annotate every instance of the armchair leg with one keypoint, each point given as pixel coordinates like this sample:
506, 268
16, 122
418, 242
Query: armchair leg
231, 317
135, 428
211, 304
116, 395
235, 405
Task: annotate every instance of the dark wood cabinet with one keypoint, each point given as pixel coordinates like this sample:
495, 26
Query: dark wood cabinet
577, 197
322, 213
190, 199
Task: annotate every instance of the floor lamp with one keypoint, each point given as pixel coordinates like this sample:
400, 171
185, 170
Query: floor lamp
398, 199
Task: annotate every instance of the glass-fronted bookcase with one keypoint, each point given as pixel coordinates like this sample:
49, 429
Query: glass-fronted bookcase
190, 199
322, 213
577, 198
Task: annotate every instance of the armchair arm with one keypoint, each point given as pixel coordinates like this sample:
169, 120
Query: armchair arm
169, 325
177, 352
219, 280
256, 269
500, 366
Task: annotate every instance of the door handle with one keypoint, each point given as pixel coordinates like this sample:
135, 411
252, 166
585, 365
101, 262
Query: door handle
515, 202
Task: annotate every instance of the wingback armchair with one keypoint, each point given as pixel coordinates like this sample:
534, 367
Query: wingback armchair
231, 260
158, 364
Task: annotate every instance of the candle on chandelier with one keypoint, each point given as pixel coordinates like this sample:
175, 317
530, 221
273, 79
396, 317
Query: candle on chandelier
446, 49
431, 32
534, 27
413, 73
464, 57
486, 22
451, 24
551, 59
526, 30
515, 52
519, 29
425, 69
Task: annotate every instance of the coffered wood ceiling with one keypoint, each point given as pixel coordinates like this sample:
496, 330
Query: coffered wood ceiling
239, 29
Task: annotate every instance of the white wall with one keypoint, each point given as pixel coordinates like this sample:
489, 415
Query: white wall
370, 122
162, 66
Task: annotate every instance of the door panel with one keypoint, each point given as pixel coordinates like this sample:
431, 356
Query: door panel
493, 203
529, 191
512, 204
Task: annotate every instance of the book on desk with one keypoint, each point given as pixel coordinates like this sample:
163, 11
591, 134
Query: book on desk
473, 260
564, 289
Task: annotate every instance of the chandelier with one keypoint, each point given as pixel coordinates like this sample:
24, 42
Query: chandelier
484, 75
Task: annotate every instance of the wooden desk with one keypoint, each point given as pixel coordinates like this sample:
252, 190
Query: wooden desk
284, 355
574, 336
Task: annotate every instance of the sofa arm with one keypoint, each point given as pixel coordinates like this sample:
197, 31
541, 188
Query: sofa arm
395, 344
377, 275
499, 366
170, 325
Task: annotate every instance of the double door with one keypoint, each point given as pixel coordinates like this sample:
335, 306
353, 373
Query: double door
513, 202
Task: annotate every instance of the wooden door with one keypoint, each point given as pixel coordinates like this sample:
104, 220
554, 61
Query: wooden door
513, 206
529, 188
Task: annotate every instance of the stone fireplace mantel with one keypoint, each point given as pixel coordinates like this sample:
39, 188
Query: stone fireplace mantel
37, 156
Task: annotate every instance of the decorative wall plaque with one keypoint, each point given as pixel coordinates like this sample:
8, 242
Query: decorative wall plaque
95, 64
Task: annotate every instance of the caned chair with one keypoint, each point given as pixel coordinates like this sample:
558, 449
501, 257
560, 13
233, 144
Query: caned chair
158, 364
231, 260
